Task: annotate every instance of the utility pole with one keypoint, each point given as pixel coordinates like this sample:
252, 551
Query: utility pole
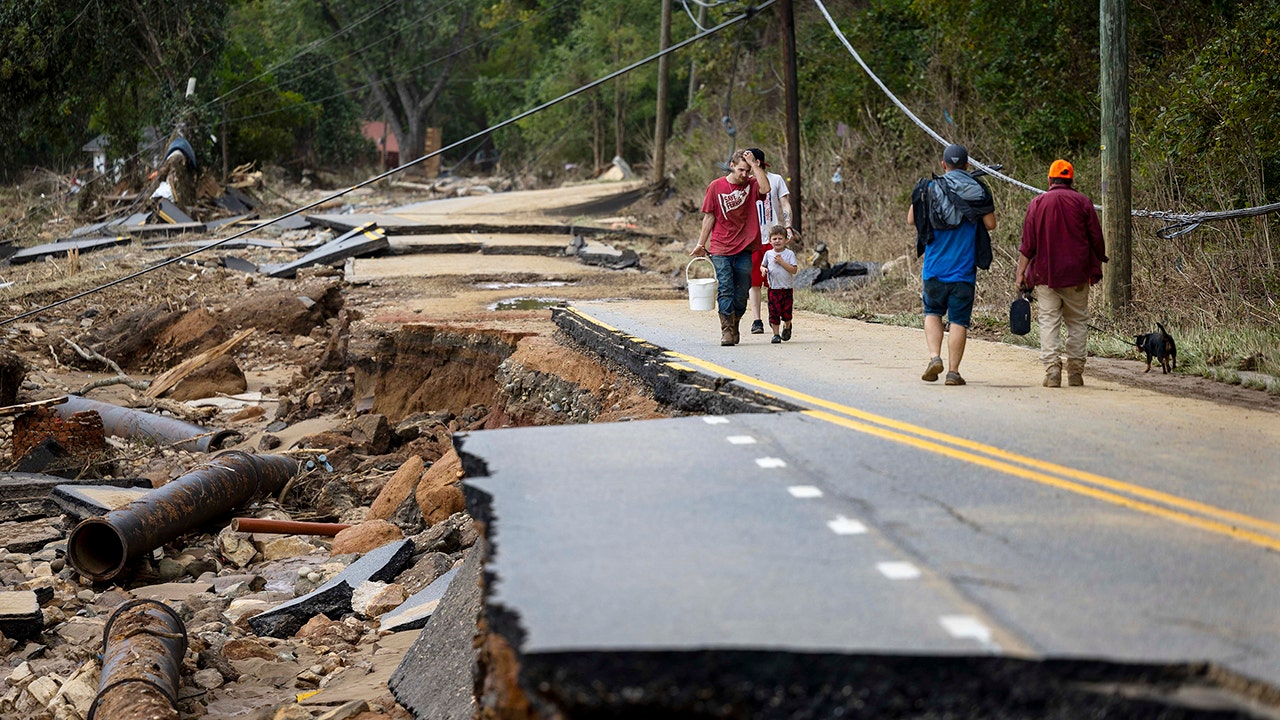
1113, 56
660, 132
793, 110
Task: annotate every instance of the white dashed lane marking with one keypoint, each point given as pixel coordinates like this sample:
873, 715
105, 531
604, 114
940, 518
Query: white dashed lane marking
898, 570
715, 420
844, 526
968, 627
804, 491
741, 440
771, 462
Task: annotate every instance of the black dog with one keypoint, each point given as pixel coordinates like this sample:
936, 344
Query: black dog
1159, 345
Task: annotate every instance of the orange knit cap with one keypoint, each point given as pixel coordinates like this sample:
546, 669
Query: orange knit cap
1061, 169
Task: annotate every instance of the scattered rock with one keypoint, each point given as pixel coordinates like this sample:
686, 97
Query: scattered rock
286, 547
398, 488
364, 537
373, 599
438, 493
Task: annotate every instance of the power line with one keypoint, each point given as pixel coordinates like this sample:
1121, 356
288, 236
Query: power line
1178, 223
396, 170
304, 50
404, 74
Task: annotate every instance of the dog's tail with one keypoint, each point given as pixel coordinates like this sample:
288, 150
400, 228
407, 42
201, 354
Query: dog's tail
1166, 332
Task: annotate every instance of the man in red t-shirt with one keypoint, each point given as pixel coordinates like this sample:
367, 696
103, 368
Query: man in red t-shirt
730, 233
1061, 255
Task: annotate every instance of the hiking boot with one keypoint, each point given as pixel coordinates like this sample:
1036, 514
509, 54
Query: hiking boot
1075, 373
786, 331
735, 325
757, 327
776, 339
1053, 375
932, 372
726, 330
953, 378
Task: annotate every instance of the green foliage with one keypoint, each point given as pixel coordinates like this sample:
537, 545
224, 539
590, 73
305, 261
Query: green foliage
1215, 106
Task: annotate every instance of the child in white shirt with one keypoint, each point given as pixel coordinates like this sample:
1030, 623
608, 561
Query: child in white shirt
779, 268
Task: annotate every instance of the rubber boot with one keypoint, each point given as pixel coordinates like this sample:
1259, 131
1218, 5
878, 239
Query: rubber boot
1053, 375
726, 330
736, 327
1075, 372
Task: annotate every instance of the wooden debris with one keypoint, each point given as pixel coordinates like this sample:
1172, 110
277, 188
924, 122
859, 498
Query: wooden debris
175, 374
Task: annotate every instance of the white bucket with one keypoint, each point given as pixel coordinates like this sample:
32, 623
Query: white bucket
702, 291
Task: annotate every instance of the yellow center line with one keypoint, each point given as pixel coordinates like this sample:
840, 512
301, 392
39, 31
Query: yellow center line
1217, 520
1227, 516
1212, 526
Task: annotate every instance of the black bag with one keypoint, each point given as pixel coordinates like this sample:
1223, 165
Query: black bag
1020, 314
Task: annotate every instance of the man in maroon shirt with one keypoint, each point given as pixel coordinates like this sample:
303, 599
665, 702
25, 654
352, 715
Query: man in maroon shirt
730, 233
1061, 255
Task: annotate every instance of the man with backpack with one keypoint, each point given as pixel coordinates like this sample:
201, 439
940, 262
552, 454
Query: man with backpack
953, 216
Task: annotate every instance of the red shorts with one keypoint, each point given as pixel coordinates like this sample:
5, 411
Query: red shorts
757, 257
780, 305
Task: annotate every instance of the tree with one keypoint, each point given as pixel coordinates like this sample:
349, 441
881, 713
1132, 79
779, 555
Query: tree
122, 65
404, 54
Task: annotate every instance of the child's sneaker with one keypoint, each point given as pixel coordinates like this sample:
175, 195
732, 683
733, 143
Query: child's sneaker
786, 331
953, 378
757, 327
776, 339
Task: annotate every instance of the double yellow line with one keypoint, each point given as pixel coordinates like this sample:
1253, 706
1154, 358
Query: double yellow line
1237, 526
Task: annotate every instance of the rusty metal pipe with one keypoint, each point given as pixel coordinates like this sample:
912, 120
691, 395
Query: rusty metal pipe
143, 644
286, 527
131, 423
99, 547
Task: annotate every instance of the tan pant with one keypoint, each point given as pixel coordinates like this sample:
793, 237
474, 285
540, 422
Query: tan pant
1057, 308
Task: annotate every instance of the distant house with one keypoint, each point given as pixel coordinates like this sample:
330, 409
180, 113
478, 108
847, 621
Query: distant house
152, 146
385, 140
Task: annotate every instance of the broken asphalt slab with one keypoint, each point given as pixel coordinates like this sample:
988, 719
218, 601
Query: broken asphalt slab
333, 599
684, 390
62, 247
414, 613
362, 241
437, 677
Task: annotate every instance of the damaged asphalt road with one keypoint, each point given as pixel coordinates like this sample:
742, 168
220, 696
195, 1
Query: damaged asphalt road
536, 511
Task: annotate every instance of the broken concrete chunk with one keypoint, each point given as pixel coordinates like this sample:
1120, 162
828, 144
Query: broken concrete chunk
334, 597
20, 616
85, 501
30, 536
28, 495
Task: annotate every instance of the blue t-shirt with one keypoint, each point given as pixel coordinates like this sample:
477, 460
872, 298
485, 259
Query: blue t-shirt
950, 257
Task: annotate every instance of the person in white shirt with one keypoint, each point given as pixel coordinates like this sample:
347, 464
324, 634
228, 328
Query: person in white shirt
773, 210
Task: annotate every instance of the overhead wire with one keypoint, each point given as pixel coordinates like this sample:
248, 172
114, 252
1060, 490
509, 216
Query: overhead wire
750, 12
303, 51
1178, 223
403, 74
